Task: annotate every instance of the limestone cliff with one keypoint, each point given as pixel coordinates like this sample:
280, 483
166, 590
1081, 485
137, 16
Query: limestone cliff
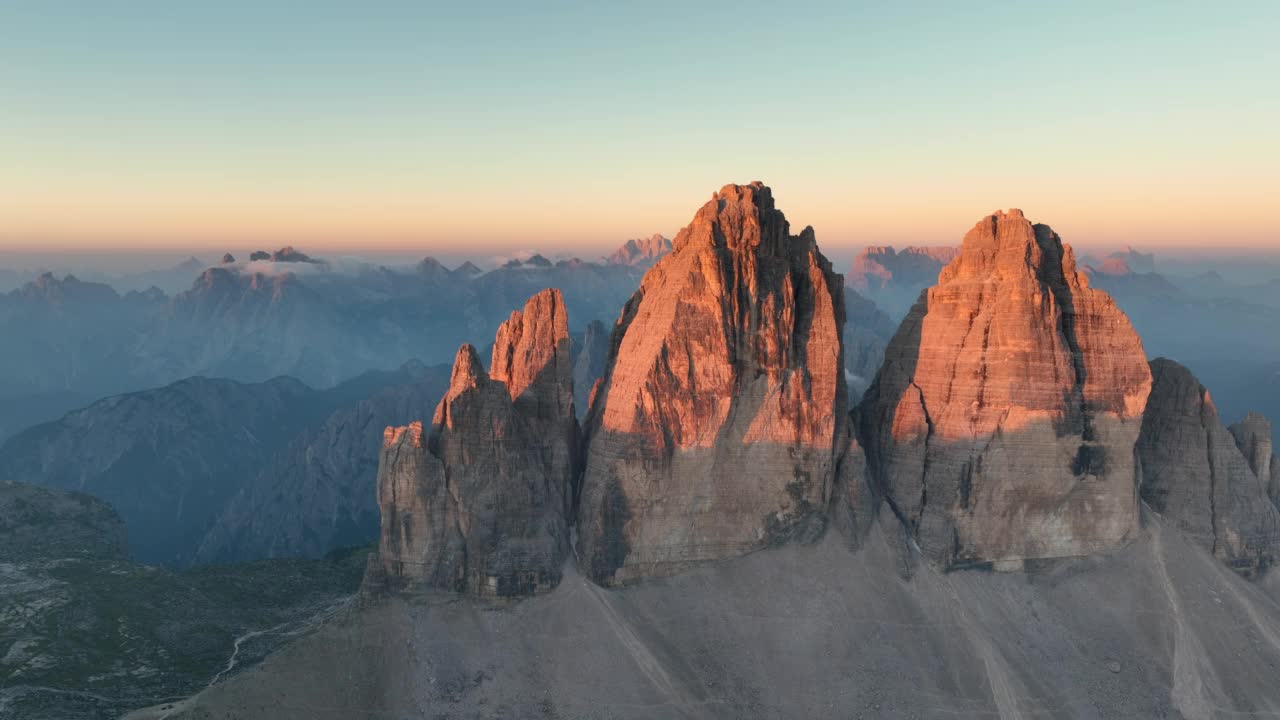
477, 502
715, 428
1194, 474
1253, 437
1002, 425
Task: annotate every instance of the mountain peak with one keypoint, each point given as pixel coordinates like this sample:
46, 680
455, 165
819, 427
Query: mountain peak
468, 370
714, 428
640, 251
1011, 358
483, 507
532, 347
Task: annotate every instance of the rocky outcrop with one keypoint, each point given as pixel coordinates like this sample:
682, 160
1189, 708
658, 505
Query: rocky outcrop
589, 365
1002, 425
1253, 436
477, 502
640, 252
716, 427
39, 523
1194, 474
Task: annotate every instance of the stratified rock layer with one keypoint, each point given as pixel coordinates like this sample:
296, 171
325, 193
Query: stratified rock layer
478, 503
1002, 425
1194, 474
715, 428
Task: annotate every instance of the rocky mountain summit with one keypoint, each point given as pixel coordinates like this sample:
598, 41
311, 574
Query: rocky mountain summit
1254, 437
1002, 425
1211, 484
478, 502
716, 425
640, 251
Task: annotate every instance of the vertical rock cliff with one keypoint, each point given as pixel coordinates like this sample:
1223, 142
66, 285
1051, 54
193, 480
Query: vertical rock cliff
1253, 437
1002, 425
715, 429
1194, 474
477, 503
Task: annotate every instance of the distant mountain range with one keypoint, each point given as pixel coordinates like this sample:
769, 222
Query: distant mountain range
215, 469
283, 313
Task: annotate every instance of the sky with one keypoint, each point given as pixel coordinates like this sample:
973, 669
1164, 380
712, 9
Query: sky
503, 125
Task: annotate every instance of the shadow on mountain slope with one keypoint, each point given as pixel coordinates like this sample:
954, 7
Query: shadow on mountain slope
1158, 629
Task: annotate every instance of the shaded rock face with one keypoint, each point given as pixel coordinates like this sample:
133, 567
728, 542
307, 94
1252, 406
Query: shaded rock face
1194, 474
589, 366
1002, 425
1253, 436
477, 502
867, 331
715, 427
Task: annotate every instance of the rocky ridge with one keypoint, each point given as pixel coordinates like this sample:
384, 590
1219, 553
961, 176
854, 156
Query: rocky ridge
478, 502
1195, 475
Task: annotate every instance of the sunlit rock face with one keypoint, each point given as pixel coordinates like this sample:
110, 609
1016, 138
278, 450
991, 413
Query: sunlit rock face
477, 503
715, 429
1195, 474
1002, 425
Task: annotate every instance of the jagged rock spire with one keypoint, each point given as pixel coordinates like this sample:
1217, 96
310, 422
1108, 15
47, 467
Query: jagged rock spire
1194, 474
479, 504
715, 427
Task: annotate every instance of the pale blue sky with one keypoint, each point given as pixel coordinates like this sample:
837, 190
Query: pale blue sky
514, 124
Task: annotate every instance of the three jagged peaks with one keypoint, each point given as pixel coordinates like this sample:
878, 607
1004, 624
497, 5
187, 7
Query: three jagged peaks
1009, 422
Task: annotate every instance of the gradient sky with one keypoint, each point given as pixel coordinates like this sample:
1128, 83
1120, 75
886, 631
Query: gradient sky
562, 125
